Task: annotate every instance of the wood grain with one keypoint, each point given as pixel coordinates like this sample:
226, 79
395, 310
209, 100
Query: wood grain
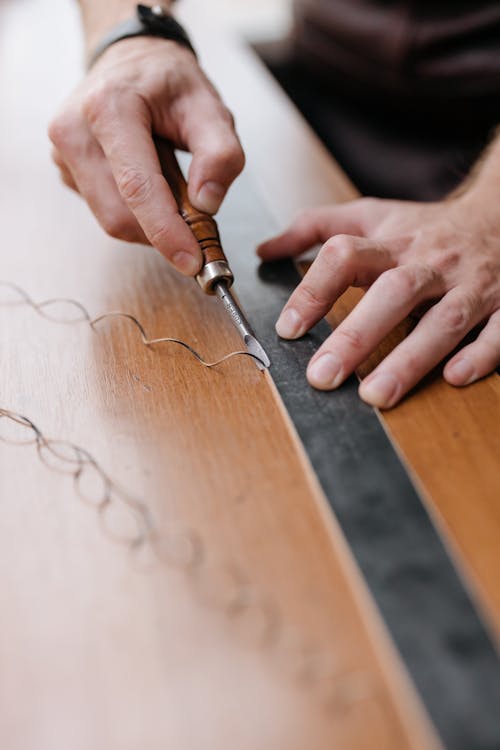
270, 639
449, 437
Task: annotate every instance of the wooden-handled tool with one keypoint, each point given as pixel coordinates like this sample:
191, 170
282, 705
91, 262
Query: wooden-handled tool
215, 276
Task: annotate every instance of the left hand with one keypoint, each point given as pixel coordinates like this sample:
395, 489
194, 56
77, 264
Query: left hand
444, 254
104, 147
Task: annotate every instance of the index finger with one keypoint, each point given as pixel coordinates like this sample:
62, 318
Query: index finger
122, 125
314, 226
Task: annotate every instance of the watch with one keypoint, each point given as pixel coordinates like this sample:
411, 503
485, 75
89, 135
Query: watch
149, 21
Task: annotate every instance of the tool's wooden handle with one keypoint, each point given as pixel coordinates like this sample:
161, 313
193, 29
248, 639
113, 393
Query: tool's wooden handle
203, 226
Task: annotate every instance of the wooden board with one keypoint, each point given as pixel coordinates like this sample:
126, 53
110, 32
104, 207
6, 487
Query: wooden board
448, 436
449, 439
241, 619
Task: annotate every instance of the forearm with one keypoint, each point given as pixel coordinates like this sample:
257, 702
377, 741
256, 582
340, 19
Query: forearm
98, 17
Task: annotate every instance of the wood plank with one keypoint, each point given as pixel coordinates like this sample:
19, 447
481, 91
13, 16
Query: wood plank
447, 436
402, 558
257, 630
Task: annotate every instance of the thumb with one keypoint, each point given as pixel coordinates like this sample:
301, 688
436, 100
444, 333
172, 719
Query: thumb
218, 157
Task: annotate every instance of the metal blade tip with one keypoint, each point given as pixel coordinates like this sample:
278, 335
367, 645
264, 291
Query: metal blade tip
263, 362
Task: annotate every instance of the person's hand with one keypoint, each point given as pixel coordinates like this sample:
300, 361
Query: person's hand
444, 256
104, 148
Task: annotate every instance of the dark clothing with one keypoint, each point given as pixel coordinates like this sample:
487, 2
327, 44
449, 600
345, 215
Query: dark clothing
430, 49
404, 94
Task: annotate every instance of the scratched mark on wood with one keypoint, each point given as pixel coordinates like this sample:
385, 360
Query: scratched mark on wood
224, 586
42, 308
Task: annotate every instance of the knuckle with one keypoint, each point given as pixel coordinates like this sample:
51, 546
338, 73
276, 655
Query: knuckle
134, 186
97, 102
351, 336
60, 130
232, 157
412, 362
161, 236
486, 277
339, 249
406, 281
394, 282
310, 297
448, 260
455, 316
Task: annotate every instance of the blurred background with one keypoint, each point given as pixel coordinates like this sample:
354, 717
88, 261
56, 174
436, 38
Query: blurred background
258, 20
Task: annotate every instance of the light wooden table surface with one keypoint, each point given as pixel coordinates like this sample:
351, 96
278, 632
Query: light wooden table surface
241, 619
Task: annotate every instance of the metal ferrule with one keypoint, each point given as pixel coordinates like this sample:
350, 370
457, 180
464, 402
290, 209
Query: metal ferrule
211, 273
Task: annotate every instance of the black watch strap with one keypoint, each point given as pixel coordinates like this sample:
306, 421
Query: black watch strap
155, 21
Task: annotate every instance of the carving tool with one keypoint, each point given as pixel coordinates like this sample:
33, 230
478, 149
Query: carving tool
215, 277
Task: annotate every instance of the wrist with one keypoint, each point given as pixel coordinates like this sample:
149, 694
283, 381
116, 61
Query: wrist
100, 18
147, 21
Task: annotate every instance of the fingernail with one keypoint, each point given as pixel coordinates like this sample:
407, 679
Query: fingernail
210, 197
325, 372
290, 324
186, 263
381, 391
461, 372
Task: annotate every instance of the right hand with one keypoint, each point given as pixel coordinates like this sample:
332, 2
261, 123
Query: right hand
103, 144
